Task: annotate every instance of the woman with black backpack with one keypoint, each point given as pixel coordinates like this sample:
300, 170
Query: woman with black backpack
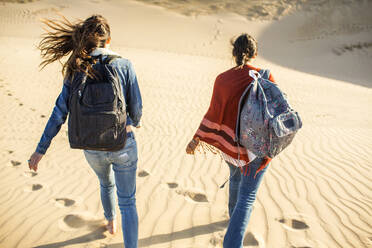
115, 95
217, 132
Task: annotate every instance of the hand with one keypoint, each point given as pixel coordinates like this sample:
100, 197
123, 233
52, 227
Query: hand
139, 124
190, 149
34, 160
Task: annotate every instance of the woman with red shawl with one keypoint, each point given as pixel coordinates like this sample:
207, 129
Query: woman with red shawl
217, 129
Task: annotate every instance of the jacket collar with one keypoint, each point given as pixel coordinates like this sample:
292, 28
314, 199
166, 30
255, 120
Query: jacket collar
102, 51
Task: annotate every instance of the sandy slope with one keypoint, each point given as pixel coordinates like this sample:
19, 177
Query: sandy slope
316, 194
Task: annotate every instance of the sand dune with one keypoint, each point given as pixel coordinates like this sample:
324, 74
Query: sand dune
316, 194
252, 10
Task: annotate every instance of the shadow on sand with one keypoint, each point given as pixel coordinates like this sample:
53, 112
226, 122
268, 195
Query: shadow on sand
332, 43
156, 239
183, 234
94, 235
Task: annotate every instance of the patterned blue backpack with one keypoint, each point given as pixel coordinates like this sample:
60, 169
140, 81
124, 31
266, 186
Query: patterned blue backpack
266, 123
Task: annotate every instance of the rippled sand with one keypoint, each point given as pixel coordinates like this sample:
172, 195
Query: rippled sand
316, 194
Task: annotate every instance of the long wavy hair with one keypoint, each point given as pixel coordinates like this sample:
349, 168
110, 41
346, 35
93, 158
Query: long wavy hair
78, 39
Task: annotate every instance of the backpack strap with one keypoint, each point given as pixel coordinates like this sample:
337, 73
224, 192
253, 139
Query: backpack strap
265, 73
110, 58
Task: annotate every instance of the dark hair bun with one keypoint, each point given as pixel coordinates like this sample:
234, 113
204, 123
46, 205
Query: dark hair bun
244, 49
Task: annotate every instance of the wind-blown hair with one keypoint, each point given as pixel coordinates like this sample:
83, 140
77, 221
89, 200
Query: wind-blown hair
78, 39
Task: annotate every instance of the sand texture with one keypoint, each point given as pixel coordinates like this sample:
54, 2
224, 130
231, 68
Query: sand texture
317, 193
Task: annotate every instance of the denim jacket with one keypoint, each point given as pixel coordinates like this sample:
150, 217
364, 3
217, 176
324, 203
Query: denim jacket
132, 96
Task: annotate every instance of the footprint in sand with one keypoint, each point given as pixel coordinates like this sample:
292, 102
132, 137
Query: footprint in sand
33, 187
217, 239
64, 202
10, 151
193, 195
30, 174
250, 240
15, 163
81, 220
293, 224
74, 221
172, 185
143, 173
369, 240
36, 187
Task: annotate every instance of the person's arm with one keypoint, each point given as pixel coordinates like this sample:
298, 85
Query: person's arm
57, 118
193, 144
132, 95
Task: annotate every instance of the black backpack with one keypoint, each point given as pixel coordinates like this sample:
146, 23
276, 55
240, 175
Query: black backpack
97, 109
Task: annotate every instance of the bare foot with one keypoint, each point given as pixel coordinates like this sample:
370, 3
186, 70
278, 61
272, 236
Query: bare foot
112, 226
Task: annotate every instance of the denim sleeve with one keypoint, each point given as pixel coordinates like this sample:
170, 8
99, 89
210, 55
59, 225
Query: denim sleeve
57, 118
132, 95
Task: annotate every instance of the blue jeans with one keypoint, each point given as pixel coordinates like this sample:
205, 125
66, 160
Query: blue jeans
242, 194
118, 168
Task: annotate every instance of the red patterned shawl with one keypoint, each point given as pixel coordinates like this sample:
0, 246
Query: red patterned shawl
219, 123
